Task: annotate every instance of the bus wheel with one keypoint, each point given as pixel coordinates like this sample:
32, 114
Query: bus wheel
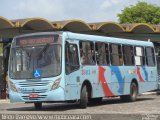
133, 93
84, 97
37, 105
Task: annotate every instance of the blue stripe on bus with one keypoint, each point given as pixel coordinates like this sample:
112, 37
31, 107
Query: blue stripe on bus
118, 75
145, 72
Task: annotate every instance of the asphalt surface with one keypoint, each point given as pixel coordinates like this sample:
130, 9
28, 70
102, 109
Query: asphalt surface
147, 106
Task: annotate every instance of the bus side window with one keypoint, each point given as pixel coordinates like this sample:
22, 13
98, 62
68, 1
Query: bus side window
139, 56
150, 56
128, 55
102, 54
116, 55
71, 58
87, 53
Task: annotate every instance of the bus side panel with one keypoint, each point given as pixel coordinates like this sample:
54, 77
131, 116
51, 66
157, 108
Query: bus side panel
72, 85
147, 86
117, 78
121, 79
75, 80
91, 74
103, 82
148, 81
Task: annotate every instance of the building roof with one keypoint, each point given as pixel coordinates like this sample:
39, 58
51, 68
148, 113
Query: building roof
10, 28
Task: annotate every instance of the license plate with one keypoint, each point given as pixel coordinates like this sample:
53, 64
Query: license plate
33, 95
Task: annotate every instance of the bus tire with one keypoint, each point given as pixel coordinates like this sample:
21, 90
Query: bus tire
133, 94
83, 97
38, 105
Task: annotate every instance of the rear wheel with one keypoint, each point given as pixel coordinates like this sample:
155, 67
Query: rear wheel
133, 93
37, 105
84, 97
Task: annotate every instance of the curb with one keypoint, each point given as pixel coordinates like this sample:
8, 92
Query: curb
151, 93
4, 101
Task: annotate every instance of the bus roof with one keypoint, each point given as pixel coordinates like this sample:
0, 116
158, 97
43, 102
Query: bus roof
77, 36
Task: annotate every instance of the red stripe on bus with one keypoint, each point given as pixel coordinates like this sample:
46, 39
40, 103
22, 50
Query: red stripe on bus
105, 86
139, 75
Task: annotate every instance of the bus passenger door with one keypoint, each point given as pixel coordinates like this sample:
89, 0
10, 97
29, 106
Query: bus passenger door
72, 71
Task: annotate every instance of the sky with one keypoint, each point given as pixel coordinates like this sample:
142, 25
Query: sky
58, 10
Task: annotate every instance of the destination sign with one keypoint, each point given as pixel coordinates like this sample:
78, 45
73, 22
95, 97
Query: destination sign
36, 40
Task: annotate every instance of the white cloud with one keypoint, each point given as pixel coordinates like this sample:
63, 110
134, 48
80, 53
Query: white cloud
42, 8
87, 10
109, 3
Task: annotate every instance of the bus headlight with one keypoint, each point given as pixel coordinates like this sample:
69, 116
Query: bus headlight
56, 84
13, 87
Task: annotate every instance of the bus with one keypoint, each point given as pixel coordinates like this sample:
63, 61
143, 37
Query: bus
70, 67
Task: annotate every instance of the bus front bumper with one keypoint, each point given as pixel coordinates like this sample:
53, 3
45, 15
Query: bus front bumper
50, 96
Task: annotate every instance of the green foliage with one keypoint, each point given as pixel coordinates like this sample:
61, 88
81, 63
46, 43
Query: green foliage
142, 12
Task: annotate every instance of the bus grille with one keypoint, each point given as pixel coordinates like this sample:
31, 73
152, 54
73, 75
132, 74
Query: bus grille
35, 91
33, 83
38, 98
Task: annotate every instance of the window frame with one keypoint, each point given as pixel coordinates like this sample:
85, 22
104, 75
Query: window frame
93, 54
133, 55
143, 57
121, 54
109, 62
66, 51
154, 56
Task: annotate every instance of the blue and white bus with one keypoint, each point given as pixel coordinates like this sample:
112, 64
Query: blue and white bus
65, 67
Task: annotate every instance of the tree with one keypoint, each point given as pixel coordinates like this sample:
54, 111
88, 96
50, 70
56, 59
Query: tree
142, 12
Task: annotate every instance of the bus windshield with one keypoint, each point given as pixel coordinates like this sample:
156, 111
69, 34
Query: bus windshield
25, 59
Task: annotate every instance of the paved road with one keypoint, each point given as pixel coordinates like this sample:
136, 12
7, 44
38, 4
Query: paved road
147, 106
